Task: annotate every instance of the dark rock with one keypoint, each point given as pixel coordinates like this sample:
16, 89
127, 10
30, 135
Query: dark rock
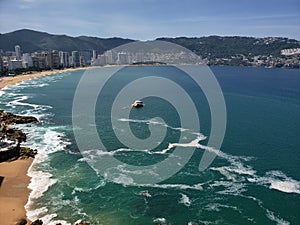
37, 222
83, 223
26, 152
9, 118
22, 222
11, 138
11, 154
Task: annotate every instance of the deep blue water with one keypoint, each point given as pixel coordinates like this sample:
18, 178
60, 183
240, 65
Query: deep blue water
253, 180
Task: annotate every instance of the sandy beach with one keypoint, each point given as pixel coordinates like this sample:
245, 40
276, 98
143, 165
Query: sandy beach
13, 190
10, 80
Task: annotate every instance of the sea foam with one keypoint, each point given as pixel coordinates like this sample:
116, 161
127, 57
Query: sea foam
185, 200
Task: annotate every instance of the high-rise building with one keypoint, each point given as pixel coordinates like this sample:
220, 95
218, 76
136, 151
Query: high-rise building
52, 59
27, 60
14, 64
75, 59
39, 60
18, 52
102, 59
140, 57
122, 58
86, 56
109, 57
1, 63
94, 55
81, 61
70, 60
55, 59
64, 59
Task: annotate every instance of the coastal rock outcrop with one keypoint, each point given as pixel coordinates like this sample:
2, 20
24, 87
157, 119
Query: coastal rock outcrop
9, 118
22, 222
37, 222
11, 138
82, 223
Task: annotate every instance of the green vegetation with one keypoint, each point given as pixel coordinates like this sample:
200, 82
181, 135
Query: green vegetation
216, 46
31, 41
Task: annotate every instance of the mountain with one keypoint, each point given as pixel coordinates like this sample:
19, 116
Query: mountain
31, 41
211, 46
214, 50
225, 47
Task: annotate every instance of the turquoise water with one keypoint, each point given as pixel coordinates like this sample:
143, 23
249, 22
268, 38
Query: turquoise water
253, 180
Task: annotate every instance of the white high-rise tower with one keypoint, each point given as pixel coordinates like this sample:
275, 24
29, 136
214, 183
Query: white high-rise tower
18, 51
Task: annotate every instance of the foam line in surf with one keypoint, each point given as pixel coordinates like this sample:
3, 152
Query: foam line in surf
153, 122
277, 180
99, 152
47, 140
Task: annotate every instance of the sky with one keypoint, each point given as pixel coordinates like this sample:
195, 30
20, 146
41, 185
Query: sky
149, 19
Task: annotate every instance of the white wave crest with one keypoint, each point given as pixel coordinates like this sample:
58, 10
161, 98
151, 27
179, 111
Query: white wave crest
279, 181
217, 207
2, 92
159, 220
176, 186
87, 190
47, 141
278, 220
99, 152
185, 200
40, 182
153, 122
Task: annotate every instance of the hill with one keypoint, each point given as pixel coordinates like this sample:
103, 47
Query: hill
31, 41
216, 46
214, 50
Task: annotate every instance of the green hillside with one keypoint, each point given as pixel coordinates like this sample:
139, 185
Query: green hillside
216, 46
31, 41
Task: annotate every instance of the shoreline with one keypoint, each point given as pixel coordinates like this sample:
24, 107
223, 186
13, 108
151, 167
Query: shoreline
14, 179
11, 80
14, 191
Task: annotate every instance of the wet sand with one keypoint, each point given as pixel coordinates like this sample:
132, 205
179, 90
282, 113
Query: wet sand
13, 190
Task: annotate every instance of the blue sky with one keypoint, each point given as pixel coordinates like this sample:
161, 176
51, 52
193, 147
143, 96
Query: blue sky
149, 19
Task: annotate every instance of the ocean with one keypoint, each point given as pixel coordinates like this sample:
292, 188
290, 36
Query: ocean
254, 179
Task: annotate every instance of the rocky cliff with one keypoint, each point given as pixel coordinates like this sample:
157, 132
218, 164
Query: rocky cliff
11, 138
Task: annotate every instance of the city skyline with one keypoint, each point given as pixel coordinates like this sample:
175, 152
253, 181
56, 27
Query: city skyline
149, 19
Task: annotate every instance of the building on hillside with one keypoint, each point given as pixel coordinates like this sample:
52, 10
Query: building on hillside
290, 51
